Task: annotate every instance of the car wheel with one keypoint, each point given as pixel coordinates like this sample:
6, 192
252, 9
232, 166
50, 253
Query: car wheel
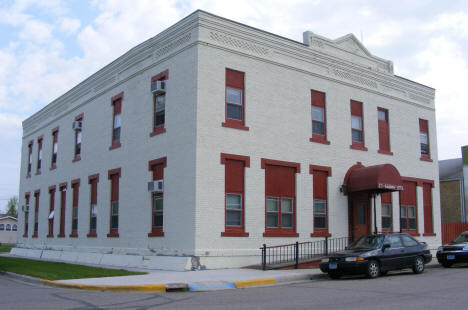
418, 266
373, 269
334, 275
446, 264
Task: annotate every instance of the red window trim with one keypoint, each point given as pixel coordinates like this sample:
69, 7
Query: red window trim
316, 137
424, 128
387, 230
387, 123
75, 183
92, 178
37, 194
162, 76
271, 162
76, 157
113, 232
156, 231
428, 225
52, 189
230, 231
117, 99
30, 151
54, 140
27, 196
321, 232
40, 139
361, 146
63, 207
281, 232
232, 123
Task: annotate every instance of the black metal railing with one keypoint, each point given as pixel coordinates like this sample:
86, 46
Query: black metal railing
301, 251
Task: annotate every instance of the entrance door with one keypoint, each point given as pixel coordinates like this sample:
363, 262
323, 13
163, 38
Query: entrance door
361, 218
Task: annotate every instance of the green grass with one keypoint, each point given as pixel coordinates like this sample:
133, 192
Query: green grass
57, 271
5, 248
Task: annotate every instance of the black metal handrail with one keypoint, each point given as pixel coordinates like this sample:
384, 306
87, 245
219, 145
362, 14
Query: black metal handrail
301, 251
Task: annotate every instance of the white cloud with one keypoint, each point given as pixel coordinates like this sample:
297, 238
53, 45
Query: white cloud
36, 31
456, 23
69, 25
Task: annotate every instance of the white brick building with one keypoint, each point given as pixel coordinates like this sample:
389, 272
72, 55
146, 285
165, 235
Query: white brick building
254, 133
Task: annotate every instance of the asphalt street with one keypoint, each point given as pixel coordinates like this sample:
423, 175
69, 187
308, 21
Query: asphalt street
436, 288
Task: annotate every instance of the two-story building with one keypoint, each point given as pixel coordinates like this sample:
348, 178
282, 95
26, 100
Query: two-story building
213, 138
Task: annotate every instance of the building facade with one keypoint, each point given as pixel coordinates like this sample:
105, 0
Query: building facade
453, 197
8, 229
250, 137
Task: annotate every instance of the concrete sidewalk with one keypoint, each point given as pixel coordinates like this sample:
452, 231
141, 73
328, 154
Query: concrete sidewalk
205, 280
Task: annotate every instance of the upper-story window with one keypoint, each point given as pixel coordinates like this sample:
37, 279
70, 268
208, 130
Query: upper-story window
53, 161
158, 88
384, 131
30, 158
424, 140
235, 100
39, 155
357, 126
116, 120
77, 127
319, 123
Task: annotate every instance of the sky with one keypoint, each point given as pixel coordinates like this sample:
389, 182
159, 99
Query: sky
49, 46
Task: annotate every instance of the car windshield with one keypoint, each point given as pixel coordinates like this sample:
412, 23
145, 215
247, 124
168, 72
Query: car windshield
367, 242
461, 238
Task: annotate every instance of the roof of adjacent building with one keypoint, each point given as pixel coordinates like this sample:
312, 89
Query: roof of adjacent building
450, 169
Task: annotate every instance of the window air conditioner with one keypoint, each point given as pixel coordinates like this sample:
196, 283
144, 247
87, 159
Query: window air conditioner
25, 208
156, 186
77, 125
158, 87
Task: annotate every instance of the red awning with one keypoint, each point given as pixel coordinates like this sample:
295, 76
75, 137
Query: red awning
377, 179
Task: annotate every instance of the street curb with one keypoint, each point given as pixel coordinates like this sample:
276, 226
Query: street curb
109, 288
20, 277
255, 282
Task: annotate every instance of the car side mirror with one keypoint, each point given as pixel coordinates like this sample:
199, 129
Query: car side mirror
385, 246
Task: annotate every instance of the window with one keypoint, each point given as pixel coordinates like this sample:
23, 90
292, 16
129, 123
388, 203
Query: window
384, 131
39, 155
63, 201
53, 160
114, 176
394, 241
36, 213
319, 128
116, 120
320, 194
26, 215
15, 227
51, 211
408, 208
8, 227
280, 196
408, 241
234, 205
234, 100
2, 226
357, 126
427, 202
78, 136
157, 198
424, 140
93, 182
75, 184
386, 202
159, 106
30, 158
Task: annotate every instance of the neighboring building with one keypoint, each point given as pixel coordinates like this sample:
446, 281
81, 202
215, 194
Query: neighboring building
8, 229
250, 138
453, 197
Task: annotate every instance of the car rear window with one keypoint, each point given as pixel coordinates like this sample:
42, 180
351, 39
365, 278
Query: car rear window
408, 241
